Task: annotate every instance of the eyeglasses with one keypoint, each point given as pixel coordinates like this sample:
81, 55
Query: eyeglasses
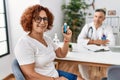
39, 19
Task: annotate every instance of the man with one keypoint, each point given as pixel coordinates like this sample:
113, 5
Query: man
95, 33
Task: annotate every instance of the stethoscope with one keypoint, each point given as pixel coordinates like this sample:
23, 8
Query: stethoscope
90, 32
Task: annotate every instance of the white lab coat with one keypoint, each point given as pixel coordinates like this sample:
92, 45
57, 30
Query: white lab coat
95, 34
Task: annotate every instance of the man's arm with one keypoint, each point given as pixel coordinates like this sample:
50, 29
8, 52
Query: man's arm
98, 42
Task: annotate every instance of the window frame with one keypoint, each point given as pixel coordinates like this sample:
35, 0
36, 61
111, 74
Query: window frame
6, 29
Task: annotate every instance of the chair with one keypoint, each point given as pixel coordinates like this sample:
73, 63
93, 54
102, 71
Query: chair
17, 71
113, 73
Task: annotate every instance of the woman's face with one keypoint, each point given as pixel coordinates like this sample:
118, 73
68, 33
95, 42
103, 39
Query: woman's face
40, 22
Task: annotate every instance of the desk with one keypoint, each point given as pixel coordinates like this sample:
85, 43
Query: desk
83, 56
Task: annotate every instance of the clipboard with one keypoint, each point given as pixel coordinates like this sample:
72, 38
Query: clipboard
96, 48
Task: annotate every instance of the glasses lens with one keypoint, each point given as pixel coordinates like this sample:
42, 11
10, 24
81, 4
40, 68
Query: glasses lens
45, 19
39, 19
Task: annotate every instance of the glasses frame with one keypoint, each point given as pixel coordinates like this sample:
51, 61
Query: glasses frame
39, 19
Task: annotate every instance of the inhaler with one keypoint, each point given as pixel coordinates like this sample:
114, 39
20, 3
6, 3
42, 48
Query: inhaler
65, 28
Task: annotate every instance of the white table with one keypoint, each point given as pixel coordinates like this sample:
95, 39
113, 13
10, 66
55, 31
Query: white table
83, 56
99, 61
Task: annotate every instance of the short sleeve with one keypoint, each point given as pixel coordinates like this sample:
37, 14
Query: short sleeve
24, 52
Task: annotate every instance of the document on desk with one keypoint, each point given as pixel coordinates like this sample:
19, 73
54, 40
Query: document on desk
96, 48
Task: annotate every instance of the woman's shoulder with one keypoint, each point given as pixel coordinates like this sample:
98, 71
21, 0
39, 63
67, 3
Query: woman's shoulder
23, 40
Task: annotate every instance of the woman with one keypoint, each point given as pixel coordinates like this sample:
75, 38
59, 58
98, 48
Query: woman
35, 51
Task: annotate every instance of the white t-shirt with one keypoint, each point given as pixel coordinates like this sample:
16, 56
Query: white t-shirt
29, 50
90, 31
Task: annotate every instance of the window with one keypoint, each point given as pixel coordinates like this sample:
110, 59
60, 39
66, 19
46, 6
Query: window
4, 47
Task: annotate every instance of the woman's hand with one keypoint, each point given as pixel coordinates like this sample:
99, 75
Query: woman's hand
62, 51
68, 35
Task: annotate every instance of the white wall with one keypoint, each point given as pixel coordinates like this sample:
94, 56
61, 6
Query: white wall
15, 9
108, 4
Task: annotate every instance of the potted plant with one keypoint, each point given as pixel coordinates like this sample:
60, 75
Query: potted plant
74, 16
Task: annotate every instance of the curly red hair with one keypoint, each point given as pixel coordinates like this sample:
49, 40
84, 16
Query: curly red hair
32, 12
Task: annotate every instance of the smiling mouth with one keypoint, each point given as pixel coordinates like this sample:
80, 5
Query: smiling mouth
42, 27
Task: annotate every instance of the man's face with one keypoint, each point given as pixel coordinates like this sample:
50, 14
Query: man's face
99, 17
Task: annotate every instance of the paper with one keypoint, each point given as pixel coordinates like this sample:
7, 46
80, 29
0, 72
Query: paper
96, 48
